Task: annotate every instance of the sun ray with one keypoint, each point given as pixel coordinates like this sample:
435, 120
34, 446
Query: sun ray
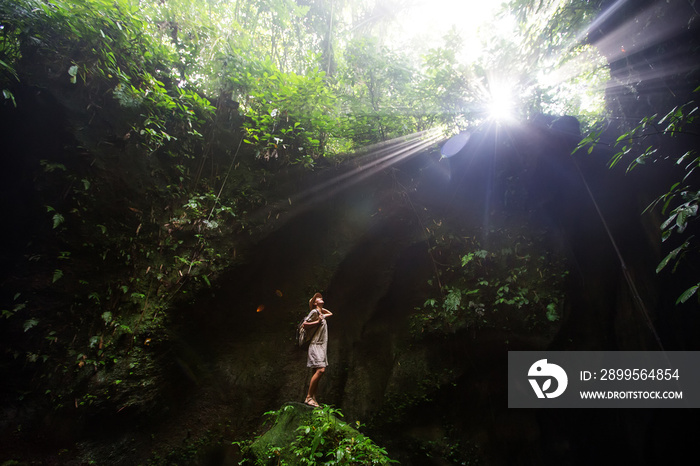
371, 161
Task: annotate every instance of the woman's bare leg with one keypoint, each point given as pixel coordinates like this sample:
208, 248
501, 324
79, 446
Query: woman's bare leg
313, 384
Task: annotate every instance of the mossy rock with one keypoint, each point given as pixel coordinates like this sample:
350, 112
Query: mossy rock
323, 434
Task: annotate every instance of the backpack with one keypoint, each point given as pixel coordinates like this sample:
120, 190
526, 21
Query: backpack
303, 337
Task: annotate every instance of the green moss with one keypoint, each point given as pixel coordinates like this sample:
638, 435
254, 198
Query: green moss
302, 435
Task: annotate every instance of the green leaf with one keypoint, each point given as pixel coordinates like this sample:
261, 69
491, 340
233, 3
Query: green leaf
669, 221
669, 114
30, 324
681, 222
624, 136
73, 72
10, 69
671, 255
687, 294
57, 219
8, 95
683, 157
466, 259
57, 275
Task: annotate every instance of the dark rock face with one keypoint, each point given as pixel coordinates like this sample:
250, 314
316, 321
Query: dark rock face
442, 395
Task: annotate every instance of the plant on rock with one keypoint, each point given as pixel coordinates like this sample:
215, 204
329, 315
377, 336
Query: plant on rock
509, 287
319, 438
650, 142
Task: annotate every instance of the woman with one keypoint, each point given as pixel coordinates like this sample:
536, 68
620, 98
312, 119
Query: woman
315, 323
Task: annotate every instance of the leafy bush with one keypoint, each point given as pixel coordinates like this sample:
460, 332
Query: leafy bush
510, 286
320, 438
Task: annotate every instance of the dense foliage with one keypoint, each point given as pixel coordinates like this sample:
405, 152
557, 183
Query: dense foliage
321, 438
310, 84
516, 285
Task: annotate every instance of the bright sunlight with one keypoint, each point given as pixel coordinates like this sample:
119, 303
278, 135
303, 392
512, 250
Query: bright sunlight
510, 73
426, 22
501, 103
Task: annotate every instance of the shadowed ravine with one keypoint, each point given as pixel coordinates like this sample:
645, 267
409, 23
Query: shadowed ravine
365, 249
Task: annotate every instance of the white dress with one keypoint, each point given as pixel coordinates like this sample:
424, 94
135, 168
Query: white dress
319, 342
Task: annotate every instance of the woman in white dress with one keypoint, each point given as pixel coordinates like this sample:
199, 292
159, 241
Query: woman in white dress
317, 359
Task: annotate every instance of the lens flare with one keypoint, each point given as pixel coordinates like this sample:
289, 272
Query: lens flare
455, 144
501, 104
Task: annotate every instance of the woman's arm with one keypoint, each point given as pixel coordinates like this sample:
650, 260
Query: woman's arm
326, 312
315, 321
311, 323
